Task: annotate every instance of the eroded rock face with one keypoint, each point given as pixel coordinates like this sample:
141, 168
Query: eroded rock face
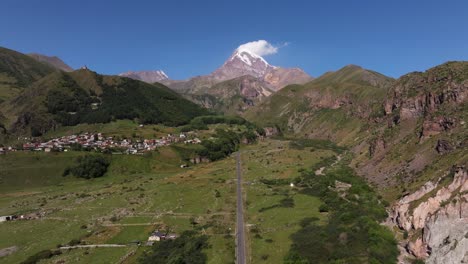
444, 146
420, 94
271, 131
436, 219
377, 146
436, 126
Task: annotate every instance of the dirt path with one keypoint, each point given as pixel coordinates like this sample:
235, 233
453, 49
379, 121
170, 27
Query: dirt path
94, 246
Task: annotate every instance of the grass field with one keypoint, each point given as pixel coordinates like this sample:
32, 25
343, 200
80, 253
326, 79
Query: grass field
140, 194
136, 196
270, 223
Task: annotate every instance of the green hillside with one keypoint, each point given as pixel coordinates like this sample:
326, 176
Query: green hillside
17, 71
83, 96
333, 106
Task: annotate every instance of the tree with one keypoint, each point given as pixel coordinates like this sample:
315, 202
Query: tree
88, 167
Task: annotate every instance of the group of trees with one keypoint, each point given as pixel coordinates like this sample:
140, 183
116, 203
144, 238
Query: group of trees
127, 99
88, 167
353, 233
224, 143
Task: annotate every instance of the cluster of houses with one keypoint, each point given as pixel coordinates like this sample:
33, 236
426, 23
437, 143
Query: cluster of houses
99, 142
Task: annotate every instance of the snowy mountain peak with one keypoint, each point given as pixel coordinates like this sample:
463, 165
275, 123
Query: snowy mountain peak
247, 56
146, 76
242, 62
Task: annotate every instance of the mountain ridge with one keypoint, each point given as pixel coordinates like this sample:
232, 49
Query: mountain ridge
150, 76
53, 61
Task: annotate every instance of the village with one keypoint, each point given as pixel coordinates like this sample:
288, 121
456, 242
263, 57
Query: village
99, 142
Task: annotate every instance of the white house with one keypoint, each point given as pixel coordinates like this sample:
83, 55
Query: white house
156, 236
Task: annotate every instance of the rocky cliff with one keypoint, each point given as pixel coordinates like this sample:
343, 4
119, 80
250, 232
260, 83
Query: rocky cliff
435, 219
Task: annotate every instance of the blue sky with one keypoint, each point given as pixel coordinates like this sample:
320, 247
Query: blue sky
188, 38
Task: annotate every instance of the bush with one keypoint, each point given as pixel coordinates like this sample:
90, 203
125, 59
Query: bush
74, 242
88, 167
44, 254
323, 208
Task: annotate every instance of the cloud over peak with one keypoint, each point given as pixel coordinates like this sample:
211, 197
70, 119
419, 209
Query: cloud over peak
259, 48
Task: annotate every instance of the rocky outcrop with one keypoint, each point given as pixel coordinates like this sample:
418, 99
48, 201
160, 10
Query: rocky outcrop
271, 131
444, 146
436, 219
432, 127
319, 100
281, 77
376, 146
199, 159
419, 94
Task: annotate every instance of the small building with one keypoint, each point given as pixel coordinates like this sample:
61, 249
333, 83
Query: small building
156, 236
5, 218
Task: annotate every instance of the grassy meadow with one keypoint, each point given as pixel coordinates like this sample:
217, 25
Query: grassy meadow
140, 194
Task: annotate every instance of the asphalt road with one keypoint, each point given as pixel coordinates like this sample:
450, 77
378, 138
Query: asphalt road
240, 228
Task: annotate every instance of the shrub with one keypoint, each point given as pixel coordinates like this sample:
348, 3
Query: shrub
44, 254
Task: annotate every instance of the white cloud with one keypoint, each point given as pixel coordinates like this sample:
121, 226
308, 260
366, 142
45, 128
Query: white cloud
260, 47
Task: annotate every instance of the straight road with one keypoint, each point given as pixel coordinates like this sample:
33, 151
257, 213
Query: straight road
240, 228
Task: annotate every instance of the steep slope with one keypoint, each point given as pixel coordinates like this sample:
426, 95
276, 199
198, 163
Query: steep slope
420, 156
242, 62
83, 96
53, 61
146, 76
17, 71
334, 106
408, 138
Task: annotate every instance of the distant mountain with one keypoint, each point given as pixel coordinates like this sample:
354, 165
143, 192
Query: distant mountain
53, 61
146, 76
243, 62
242, 69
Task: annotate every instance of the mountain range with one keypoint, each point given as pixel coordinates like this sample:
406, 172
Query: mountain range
243, 80
407, 136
